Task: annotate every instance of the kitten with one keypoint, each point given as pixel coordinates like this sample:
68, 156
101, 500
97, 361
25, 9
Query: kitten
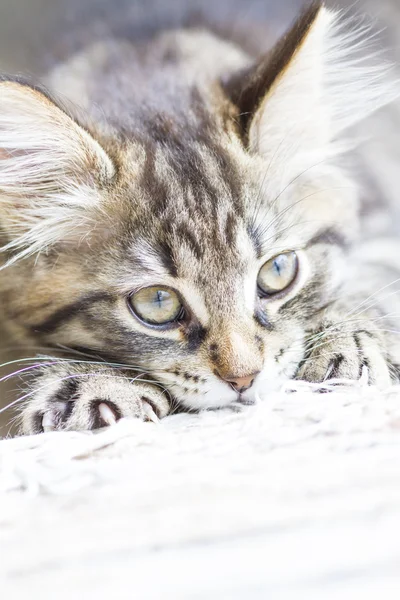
190, 237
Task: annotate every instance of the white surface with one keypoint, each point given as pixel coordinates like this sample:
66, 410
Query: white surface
296, 498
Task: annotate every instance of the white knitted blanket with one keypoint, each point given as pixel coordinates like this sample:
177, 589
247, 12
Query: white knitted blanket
298, 497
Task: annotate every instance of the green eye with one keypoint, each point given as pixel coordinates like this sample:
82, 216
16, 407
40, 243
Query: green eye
156, 305
277, 274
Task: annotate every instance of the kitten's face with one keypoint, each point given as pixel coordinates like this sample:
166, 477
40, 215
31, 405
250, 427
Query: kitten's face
201, 274
193, 246
204, 284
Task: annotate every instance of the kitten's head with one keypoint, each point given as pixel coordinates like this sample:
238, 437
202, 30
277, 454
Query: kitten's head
197, 247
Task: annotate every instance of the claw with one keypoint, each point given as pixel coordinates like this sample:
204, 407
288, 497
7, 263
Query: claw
107, 414
329, 370
364, 379
48, 422
149, 412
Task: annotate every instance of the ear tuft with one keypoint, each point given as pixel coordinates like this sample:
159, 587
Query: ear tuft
320, 80
51, 171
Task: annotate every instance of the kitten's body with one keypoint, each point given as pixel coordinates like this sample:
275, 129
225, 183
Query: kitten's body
189, 169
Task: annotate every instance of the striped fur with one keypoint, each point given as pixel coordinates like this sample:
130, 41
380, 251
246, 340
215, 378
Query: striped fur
189, 166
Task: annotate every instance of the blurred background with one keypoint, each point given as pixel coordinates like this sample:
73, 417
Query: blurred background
27, 27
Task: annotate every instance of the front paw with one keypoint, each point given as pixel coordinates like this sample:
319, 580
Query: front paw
78, 402
346, 355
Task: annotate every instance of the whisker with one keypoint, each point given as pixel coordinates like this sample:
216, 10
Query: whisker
286, 209
25, 370
259, 199
69, 377
75, 361
375, 293
296, 178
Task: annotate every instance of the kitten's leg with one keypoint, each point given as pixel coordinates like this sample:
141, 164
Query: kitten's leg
361, 329
80, 397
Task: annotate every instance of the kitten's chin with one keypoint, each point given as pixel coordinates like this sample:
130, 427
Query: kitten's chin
218, 396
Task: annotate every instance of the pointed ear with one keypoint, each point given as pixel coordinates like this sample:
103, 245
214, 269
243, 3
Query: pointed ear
51, 171
316, 83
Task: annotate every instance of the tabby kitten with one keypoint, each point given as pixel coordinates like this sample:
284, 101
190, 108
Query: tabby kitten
190, 237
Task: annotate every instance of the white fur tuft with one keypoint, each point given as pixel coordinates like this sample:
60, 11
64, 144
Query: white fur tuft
357, 79
49, 168
333, 82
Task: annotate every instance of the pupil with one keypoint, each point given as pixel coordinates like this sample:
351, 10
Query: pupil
277, 266
160, 297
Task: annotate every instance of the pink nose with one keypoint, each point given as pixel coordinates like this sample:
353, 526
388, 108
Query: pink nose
241, 384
